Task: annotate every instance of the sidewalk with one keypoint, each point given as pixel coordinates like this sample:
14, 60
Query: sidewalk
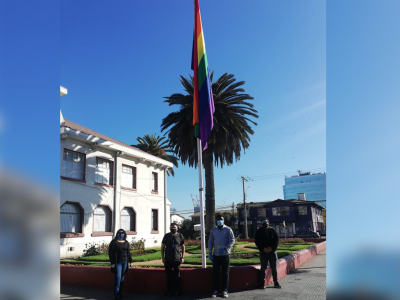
305, 283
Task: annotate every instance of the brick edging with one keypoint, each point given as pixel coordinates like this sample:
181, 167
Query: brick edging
193, 281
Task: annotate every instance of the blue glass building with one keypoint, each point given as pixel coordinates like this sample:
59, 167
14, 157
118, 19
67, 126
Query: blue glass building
312, 185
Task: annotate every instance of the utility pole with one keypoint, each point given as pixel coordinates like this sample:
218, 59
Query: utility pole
245, 210
233, 214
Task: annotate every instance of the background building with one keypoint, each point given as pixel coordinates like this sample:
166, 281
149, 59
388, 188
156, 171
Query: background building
312, 185
176, 218
106, 185
297, 215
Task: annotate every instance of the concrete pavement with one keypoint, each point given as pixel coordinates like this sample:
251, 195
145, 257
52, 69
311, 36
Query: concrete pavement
305, 283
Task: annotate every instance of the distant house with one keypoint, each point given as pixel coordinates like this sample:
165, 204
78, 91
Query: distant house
297, 215
106, 185
177, 218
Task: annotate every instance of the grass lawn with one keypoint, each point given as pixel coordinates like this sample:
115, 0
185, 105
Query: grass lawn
197, 250
105, 258
284, 249
290, 247
196, 259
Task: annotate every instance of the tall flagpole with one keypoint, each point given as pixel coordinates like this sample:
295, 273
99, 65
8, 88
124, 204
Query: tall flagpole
200, 167
203, 234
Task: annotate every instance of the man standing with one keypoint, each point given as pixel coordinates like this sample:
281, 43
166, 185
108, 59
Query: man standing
267, 241
172, 254
221, 239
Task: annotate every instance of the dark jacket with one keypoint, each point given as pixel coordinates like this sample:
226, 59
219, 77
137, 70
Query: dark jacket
266, 237
112, 254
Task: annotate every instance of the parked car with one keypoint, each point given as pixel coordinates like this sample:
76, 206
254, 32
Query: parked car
306, 234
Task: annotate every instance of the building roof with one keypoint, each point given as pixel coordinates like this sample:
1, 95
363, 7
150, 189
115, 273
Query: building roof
175, 214
263, 204
86, 130
216, 212
253, 204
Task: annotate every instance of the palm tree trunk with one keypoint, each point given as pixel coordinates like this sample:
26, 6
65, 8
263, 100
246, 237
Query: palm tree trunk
208, 161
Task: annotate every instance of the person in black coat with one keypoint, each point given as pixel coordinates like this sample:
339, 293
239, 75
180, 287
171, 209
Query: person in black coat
267, 241
119, 254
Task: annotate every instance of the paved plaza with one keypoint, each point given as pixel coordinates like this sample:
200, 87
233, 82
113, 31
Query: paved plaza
305, 283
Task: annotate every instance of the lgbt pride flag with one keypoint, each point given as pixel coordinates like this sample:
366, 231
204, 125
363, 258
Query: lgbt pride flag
203, 102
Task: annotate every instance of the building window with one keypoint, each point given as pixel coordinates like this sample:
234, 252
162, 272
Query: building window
261, 212
154, 220
280, 211
302, 210
154, 185
128, 219
104, 171
73, 165
102, 219
71, 218
128, 179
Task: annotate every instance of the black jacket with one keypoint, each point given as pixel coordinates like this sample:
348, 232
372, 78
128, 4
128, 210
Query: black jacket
266, 237
112, 254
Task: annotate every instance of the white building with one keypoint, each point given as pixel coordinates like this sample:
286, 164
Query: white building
94, 203
177, 218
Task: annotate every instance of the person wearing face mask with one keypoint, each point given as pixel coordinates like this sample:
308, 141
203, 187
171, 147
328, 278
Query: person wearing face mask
221, 240
119, 254
267, 241
172, 254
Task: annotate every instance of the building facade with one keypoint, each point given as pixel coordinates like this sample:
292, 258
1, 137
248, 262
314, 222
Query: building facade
312, 185
177, 218
106, 185
286, 216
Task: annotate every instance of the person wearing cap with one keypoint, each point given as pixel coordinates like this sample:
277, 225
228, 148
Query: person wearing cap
119, 254
219, 247
172, 254
267, 241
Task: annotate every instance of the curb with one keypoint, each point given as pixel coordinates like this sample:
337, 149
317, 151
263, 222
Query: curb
193, 281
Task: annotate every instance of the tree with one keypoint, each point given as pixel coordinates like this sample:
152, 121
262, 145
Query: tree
186, 228
231, 132
157, 146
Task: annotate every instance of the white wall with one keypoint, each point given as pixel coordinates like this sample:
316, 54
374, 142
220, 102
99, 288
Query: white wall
90, 195
176, 219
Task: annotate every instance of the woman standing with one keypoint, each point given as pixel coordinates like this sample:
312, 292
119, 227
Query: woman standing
119, 255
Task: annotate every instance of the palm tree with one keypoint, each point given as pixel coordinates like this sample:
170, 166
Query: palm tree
230, 134
157, 146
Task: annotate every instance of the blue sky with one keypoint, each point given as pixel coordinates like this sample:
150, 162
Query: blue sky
119, 59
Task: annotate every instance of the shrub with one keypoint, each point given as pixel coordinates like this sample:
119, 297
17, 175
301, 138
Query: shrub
91, 249
137, 245
103, 248
192, 243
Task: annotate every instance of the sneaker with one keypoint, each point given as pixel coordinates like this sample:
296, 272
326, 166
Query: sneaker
262, 286
177, 293
214, 294
167, 293
225, 294
277, 285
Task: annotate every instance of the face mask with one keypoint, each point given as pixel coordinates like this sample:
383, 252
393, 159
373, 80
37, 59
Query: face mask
120, 235
173, 230
220, 223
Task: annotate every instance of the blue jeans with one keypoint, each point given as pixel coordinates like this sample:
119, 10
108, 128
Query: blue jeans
119, 276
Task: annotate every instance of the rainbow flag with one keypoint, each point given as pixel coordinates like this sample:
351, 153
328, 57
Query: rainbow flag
203, 102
